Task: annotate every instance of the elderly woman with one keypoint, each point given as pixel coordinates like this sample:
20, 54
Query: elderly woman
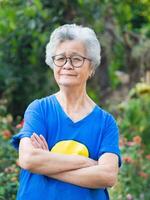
68, 146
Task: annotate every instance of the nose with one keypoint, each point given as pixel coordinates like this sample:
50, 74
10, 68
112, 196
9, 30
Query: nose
68, 65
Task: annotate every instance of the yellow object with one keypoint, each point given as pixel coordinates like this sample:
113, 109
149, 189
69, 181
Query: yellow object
142, 88
70, 147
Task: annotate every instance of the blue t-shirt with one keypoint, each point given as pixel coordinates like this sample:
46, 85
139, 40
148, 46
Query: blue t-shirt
93, 135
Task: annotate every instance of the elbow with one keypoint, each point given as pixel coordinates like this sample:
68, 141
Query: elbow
107, 181
112, 179
26, 161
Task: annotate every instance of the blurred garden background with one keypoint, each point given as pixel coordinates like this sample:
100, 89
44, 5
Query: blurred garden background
121, 84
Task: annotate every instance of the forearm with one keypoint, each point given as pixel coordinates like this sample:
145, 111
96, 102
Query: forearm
73, 169
45, 162
90, 177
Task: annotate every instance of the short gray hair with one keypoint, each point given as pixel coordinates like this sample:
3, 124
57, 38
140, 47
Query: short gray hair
74, 32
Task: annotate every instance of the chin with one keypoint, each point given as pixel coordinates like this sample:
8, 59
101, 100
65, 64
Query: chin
67, 83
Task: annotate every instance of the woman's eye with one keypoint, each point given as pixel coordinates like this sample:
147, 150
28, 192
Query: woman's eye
60, 59
76, 59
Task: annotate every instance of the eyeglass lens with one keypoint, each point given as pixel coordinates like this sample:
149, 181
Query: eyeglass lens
75, 61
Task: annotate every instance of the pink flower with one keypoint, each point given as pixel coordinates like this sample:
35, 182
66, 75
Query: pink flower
20, 125
129, 197
130, 143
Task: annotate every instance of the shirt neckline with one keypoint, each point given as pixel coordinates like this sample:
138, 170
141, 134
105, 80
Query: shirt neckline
68, 117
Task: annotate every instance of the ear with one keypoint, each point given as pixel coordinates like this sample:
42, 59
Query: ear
92, 72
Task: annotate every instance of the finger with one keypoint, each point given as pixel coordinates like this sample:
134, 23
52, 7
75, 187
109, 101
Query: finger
44, 142
38, 141
35, 143
37, 138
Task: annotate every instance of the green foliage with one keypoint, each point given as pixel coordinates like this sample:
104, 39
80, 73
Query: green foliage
22, 47
132, 14
133, 119
134, 177
8, 165
25, 27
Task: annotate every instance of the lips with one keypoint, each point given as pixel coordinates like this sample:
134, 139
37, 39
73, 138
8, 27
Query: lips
68, 75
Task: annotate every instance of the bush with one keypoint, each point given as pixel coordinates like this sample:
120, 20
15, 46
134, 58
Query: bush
8, 162
134, 118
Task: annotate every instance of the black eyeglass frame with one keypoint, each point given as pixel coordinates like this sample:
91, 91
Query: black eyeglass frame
84, 58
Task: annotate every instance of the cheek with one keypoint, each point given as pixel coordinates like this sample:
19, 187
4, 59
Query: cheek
85, 75
56, 74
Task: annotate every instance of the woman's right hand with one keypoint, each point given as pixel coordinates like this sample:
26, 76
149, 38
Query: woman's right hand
39, 142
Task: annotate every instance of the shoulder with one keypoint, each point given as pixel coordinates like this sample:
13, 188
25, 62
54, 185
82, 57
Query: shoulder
39, 103
106, 116
40, 106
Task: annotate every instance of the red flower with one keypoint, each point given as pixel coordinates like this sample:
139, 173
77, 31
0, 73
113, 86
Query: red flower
143, 174
148, 156
137, 139
128, 159
6, 134
20, 125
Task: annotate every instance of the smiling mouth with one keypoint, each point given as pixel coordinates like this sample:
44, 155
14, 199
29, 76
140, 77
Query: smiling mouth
67, 75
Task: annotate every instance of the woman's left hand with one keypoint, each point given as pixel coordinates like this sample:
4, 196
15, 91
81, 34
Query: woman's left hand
39, 142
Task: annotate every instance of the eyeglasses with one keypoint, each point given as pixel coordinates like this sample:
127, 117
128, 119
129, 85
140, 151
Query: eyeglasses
75, 60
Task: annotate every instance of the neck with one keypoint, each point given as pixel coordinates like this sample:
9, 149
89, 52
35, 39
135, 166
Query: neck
73, 99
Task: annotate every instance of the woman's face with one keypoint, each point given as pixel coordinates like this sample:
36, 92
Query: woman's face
68, 75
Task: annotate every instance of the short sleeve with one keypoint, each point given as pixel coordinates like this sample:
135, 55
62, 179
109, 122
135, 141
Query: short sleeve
110, 138
33, 122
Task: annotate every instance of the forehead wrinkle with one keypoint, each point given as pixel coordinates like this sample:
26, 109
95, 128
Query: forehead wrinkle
71, 45
70, 54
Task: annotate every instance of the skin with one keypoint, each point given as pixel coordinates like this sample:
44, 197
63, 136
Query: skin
38, 160
79, 170
72, 82
82, 176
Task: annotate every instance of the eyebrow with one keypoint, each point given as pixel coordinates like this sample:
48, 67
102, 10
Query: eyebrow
72, 54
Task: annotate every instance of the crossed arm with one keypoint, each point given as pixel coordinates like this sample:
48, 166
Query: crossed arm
79, 170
